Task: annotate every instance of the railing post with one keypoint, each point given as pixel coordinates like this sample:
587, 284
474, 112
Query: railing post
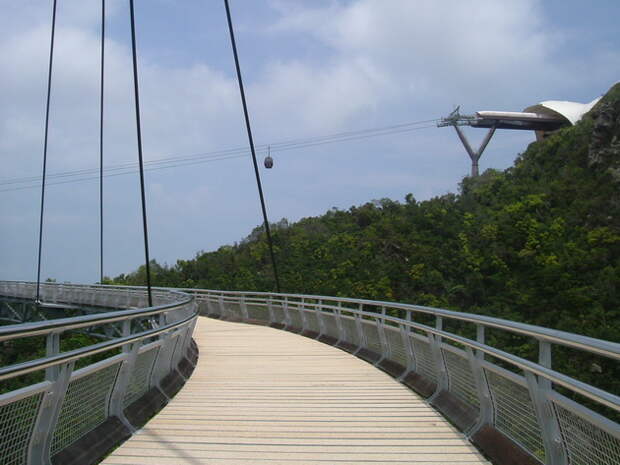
302, 314
43, 431
164, 360
405, 334
52, 347
179, 351
442, 375
341, 333
540, 389
272, 316
210, 305
222, 308
187, 339
287, 315
192, 328
318, 309
130, 352
360, 329
385, 347
244, 307
482, 388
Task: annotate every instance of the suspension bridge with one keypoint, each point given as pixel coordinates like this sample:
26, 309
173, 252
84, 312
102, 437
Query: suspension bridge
235, 377
187, 376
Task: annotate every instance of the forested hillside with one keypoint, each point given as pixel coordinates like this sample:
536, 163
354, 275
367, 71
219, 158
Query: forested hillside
538, 242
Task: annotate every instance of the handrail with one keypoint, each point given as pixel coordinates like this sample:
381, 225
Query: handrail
59, 412
38, 328
576, 341
522, 404
591, 392
23, 368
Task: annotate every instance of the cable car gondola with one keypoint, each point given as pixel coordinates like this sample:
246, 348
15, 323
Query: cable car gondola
268, 160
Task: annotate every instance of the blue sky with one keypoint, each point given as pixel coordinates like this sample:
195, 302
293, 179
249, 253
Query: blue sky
311, 68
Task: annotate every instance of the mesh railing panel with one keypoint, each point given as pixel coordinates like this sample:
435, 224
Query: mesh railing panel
16, 426
139, 381
514, 413
350, 330
256, 312
295, 316
330, 324
84, 407
233, 310
279, 316
398, 351
205, 307
312, 321
371, 334
461, 380
586, 444
425, 365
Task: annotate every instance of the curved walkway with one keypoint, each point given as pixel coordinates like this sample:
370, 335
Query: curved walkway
262, 395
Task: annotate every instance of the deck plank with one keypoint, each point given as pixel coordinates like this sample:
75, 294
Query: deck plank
261, 395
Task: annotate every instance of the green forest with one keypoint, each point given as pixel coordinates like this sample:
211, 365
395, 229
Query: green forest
538, 242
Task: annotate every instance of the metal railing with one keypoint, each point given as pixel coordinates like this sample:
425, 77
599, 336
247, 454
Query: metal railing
528, 402
148, 344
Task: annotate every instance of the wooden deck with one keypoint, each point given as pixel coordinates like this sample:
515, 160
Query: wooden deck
262, 395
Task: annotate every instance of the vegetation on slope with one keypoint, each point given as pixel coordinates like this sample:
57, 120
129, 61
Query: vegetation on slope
538, 242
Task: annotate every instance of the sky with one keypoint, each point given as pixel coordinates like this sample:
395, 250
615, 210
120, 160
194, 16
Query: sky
312, 68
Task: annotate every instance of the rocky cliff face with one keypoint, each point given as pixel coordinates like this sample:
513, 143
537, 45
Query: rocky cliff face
604, 149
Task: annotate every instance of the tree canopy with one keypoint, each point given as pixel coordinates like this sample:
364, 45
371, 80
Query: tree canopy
538, 242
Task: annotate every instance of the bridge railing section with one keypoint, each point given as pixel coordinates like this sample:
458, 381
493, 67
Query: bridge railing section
508, 404
73, 413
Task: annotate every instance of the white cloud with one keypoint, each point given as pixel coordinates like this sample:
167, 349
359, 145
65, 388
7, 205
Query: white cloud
373, 63
437, 48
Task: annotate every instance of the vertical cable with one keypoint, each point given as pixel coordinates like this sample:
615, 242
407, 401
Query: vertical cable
251, 140
141, 164
47, 119
101, 144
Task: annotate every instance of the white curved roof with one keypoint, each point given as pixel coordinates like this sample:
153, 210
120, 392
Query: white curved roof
572, 111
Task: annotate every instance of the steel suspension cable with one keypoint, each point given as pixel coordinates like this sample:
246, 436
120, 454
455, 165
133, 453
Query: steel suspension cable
140, 160
101, 143
47, 120
251, 140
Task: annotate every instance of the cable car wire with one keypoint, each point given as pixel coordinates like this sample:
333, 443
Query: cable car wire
281, 145
193, 159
